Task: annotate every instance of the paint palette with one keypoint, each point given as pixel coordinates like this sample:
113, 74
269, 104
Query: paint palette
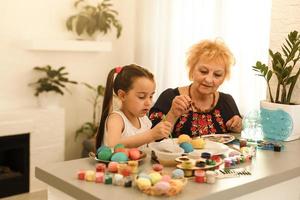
200, 163
221, 138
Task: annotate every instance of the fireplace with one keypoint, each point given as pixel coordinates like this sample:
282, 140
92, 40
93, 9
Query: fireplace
14, 164
45, 144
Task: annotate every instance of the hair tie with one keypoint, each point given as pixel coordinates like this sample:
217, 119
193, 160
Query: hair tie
118, 69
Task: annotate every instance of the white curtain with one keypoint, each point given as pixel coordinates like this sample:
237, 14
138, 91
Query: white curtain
167, 28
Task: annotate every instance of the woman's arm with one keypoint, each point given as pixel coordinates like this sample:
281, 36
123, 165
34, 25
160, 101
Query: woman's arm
180, 105
234, 123
171, 105
162, 106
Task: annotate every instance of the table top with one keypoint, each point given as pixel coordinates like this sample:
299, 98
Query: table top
267, 168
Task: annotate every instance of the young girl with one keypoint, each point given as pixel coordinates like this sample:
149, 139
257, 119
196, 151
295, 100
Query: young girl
130, 126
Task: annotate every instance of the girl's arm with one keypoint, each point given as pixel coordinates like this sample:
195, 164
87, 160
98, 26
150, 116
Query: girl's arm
115, 126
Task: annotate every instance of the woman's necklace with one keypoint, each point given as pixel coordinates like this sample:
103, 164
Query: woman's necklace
199, 109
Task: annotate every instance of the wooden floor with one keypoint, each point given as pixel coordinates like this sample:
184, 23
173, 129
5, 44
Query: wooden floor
40, 195
50, 194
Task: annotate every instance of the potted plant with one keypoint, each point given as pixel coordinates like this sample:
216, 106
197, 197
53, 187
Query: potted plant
94, 19
89, 129
53, 82
279, 117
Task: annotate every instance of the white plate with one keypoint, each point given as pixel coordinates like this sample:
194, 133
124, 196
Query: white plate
221, 138
215, 148
166, 145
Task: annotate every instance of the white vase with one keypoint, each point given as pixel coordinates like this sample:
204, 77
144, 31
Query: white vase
280, 121
49, 100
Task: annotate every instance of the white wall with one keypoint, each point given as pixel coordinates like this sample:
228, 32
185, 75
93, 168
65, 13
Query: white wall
285, 18
36, 19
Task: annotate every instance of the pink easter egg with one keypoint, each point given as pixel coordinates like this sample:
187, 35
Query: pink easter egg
134, 154
112, 167
166, 178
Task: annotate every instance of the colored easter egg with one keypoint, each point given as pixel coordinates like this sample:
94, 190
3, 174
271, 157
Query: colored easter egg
166, 178
143, 183
119, 157
105, 154
112, 167
177, 174
102, 148
125, 151
198, 143
184, 138
187, 147
162, 186
157, 167
119, 146
155, 177
134, 154
144, 175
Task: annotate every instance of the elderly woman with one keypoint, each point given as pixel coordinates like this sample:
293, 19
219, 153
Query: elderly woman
199, 109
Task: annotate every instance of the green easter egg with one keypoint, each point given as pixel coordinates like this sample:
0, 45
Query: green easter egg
105, 154
119, 146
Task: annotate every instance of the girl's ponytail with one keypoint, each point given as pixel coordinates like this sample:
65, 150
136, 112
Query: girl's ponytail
106, 107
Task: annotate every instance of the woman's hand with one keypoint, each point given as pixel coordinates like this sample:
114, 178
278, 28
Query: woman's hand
180, 105
161, 130
234, 124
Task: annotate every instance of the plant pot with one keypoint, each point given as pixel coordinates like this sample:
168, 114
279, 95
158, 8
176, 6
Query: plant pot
49, 100
280, 121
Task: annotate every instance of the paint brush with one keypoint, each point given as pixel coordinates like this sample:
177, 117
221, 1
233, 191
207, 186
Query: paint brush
164, 118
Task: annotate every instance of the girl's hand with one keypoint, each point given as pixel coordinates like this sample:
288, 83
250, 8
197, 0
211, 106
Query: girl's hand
180, 105
234, 124
161, 130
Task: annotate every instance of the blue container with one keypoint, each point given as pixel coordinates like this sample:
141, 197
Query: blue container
276, 124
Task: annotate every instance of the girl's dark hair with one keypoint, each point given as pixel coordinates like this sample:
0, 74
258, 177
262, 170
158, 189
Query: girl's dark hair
123, 81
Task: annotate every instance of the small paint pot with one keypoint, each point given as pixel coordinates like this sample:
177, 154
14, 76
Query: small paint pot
227, 162
243, 142
200, 176
200, 164
187, 164
81, 174
101, 167
210, 177
277, 147
188, 172
206, 155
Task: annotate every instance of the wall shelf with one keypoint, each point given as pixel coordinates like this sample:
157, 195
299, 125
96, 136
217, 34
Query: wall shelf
69, 45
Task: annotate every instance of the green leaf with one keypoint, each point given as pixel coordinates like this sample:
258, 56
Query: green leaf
91, 27
100, 90
89, 86
269, 75
285, 50
77, 3
69, 23
52, 81
81, 24
100, 17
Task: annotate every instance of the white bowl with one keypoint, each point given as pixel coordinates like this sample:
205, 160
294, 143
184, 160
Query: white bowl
166, 151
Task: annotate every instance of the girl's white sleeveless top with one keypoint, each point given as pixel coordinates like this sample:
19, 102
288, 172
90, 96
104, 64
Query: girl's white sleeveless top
129, 129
